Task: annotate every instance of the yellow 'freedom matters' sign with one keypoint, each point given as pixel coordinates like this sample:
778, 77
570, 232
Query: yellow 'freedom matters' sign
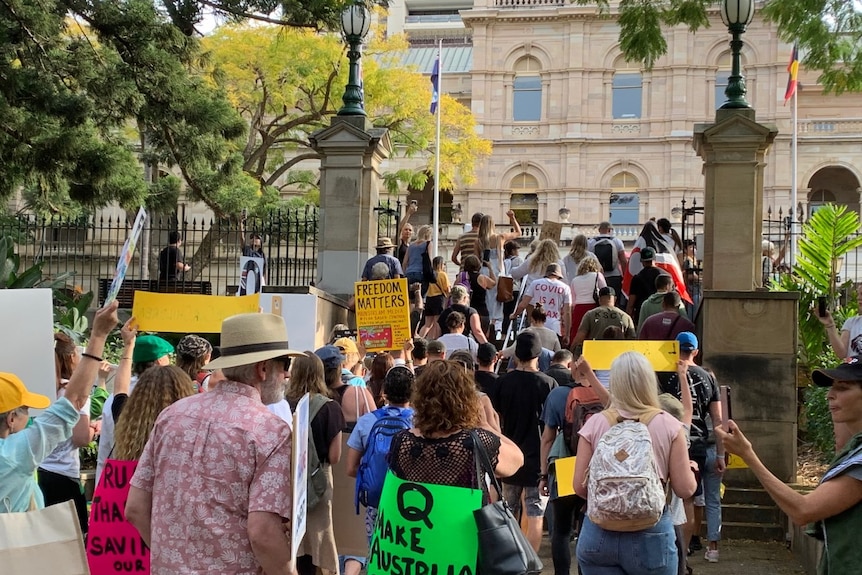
382, 314
188, 313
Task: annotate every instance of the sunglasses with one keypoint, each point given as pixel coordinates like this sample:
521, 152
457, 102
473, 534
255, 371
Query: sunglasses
284, 360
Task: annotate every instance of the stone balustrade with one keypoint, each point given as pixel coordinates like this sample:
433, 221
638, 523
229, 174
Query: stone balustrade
831, 126
528, 3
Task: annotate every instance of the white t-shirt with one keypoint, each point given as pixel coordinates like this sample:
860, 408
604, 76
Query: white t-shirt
456, 341
584, 285
854, 326
553, 295
65, 459
106, 436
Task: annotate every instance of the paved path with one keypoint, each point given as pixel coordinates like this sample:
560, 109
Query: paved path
737, 557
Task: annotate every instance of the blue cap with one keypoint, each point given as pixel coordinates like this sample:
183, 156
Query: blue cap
687, 341
330, 355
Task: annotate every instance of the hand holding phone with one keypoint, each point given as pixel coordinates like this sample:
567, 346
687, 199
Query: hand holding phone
724, 396
821, 306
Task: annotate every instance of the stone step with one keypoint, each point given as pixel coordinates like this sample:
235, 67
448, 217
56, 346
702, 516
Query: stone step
744, 513
752, 531
746, 496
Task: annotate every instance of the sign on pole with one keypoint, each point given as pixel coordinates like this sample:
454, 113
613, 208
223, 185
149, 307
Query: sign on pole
299, 476
415, 527
126, 256
382, 313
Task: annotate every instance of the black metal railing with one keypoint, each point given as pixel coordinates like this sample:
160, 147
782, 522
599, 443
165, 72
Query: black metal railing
91, 246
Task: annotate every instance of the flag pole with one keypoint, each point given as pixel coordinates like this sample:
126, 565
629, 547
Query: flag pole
437, 146
793, 176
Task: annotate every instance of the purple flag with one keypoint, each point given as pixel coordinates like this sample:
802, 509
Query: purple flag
435, 79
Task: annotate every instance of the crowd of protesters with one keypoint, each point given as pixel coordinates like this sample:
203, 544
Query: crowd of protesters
491, 367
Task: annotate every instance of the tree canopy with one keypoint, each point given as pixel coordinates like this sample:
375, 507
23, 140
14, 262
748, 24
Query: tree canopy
828, 32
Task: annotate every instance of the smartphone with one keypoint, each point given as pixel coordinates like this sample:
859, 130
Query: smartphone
726, 408
486, 256
821, 306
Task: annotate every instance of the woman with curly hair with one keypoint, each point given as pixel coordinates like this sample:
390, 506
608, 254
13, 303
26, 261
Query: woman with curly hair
193, 353
326, 421
156, 389
439, 449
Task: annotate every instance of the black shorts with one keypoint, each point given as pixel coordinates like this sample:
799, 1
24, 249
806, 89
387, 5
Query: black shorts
434, 304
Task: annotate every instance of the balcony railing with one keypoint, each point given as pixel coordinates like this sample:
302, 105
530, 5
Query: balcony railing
831, 127
528, 3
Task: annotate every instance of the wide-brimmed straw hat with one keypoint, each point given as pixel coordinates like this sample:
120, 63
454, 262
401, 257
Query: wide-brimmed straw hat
249, 338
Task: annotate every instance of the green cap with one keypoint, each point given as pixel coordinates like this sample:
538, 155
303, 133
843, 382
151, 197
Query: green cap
150, 348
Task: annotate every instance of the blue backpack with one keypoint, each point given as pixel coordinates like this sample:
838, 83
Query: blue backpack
374, 463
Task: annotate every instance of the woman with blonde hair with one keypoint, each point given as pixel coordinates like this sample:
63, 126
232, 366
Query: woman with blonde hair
534, 266
413, 257
634, 396
326, 421
439, 449
588, 281
157, 388
489, 250
576, 256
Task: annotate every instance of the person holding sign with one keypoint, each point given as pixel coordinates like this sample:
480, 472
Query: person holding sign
216, 467
23, 448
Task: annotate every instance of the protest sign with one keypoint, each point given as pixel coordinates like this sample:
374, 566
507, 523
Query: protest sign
186, 313
27, 340
424, 528
551, 231
296, 309
113, 544
126, 256
382, 313
735, 462
663, 355
251, 278
565, 470
299, 475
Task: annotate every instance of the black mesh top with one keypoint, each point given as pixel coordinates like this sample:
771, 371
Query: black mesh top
442, 461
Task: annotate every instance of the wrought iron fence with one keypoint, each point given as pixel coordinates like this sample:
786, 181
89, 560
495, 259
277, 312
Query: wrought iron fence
90, 246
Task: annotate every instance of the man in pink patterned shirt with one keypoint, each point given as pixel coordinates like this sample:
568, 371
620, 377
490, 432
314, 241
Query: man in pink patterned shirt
212, 490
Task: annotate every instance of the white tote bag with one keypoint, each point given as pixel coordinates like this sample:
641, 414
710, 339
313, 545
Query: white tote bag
43, 541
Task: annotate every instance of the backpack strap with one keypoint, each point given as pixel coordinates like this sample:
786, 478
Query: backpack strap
613, 416
315, 404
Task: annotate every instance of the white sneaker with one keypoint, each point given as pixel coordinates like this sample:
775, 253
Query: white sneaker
711, 555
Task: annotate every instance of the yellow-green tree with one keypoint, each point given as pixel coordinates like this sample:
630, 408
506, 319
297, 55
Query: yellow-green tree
288, 83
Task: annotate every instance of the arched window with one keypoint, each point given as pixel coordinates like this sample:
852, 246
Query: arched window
627, 94
527, 90
624, 202
819, 198
721, 79
524, 200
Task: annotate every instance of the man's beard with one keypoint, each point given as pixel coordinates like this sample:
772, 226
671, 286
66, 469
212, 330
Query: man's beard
272, 388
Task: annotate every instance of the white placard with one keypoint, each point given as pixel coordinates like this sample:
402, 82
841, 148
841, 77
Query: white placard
299, 475
251, 278
299, 312
27, 338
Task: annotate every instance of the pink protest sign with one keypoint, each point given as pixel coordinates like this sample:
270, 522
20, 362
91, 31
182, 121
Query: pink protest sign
113, 544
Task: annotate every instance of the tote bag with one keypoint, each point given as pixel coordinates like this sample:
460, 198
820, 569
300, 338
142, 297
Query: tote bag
45, 540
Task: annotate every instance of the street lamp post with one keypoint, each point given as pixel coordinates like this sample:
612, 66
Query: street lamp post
736, 15
355, 22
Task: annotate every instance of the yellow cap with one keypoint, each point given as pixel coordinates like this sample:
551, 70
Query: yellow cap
346, 345
13, 394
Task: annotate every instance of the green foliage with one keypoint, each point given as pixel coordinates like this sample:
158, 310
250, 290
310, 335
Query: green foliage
818, 421
70, 309
409, 179
12, 278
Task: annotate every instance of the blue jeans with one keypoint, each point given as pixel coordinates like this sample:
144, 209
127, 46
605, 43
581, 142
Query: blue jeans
712, 495
648, 552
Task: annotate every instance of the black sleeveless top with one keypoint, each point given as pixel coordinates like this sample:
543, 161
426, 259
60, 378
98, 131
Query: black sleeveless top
478, 299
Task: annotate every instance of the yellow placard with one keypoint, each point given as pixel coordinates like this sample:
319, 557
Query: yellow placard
663, 355
382, 313
188, 313
735, 462
565, 467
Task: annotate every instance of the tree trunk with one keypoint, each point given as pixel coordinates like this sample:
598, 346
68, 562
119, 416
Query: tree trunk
205, 253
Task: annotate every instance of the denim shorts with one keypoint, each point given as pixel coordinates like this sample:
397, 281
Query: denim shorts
535, 503
651, 551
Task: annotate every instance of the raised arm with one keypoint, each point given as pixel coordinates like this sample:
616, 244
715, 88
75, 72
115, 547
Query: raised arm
840, 341
78, 388
516, 233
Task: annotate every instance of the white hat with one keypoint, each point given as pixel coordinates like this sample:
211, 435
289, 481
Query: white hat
249, 338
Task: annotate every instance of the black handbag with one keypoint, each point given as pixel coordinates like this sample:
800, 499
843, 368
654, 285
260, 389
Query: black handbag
428, 274
596, 290
503, 547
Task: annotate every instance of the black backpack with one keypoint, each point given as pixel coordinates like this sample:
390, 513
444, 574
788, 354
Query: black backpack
606, 253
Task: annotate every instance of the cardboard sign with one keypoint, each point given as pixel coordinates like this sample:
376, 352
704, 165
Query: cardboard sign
251, 278
663, 355
299, 476
415, 526
27, 342
382, 313
551, 231
113, 544
735, 462
565, 470
188, 313
126, 256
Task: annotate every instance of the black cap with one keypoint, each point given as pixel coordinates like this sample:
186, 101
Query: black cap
606, 291
850, 370
527, 346
486, 353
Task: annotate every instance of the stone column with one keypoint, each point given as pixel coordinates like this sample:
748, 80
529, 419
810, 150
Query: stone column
733, 150
351, 152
